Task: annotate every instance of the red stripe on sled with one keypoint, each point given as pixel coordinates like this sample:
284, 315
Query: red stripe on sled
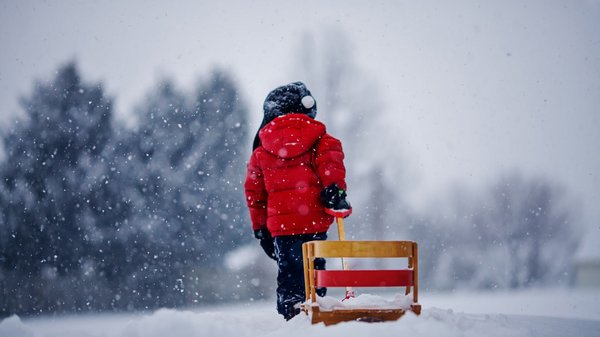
364, 278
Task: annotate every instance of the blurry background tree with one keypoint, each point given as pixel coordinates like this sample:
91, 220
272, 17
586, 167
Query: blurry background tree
97, 216
48, 179
518, 232
349, 103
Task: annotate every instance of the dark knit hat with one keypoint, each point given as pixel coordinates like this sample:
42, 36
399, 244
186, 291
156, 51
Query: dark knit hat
286, 99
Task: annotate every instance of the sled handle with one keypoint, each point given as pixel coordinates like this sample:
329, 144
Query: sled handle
342, 236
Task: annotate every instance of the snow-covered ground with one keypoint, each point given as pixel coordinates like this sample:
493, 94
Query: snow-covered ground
560, 312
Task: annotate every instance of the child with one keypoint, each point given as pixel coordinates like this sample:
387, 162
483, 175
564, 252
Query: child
296, 171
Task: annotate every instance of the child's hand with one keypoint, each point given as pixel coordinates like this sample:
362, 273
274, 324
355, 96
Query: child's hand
266, 242
334, 200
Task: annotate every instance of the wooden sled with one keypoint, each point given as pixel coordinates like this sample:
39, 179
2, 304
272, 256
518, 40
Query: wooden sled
359, 278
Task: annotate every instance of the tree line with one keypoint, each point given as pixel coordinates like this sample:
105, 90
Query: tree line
97, 216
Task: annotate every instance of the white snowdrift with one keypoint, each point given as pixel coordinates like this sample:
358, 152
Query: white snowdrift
260, 319
366, 301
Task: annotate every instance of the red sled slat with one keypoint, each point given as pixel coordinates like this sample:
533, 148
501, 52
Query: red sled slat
364, 278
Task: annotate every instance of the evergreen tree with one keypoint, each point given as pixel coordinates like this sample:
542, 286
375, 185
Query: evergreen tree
189, 205
48, 155
224, 134
94, 216
152, 161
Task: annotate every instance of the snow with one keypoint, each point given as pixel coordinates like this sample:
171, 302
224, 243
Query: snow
365, 301
242, 257
554, 312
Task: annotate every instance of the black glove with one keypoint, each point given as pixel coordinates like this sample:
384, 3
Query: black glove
266, 242
334, 197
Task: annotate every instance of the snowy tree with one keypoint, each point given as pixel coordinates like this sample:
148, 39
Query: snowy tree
182, 166
48, 155
537, 228
224, 153
518, 232
95, 216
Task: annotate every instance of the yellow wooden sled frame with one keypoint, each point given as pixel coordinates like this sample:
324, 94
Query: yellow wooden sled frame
346, 278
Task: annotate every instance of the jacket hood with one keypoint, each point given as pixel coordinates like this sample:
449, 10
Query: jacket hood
291, 135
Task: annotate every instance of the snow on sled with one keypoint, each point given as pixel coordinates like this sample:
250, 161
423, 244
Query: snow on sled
357, 309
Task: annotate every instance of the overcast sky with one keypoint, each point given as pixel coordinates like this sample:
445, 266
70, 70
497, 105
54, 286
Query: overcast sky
471, 89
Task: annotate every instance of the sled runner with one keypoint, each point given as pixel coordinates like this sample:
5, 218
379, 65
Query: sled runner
358, 278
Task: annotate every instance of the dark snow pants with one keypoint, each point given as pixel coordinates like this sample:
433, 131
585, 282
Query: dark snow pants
290, 278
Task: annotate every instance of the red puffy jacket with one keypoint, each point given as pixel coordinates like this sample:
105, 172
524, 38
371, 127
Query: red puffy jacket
286, 174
